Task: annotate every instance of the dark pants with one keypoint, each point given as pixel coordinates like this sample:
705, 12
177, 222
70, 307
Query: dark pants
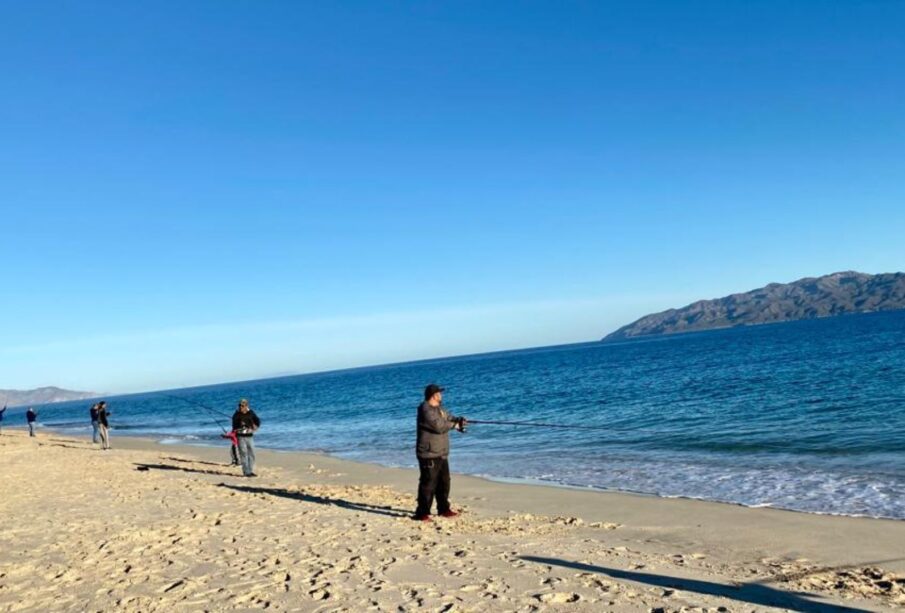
234, 454
434, 481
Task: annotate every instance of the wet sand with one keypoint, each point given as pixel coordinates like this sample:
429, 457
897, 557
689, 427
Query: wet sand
151, 527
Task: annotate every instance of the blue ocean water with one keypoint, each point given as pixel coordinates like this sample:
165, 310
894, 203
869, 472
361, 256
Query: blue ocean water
807, 416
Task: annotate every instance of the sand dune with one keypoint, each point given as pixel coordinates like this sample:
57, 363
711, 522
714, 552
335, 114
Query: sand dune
146, 527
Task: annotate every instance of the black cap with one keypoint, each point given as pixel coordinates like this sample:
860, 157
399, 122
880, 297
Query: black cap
432, 389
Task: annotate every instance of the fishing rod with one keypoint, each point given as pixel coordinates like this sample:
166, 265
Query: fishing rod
738, 432
536, 425
203, 406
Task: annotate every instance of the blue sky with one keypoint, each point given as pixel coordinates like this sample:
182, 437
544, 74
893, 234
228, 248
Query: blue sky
211, 191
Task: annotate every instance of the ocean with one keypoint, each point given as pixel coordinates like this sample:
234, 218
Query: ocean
807, 416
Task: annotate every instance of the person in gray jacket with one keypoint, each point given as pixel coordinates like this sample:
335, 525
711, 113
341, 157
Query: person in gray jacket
432, 449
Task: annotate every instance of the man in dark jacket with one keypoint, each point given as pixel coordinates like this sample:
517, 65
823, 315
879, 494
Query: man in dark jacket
245, 423
432, 449
103, 426
31, 417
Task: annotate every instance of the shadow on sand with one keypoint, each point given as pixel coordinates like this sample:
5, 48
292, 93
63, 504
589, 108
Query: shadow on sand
754, 593
337, 502
188, 461
85, 448
139, 466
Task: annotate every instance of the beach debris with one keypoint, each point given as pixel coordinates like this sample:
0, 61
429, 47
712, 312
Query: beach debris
568, 521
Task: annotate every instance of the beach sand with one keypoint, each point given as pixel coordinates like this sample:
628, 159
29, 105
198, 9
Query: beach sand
151, 527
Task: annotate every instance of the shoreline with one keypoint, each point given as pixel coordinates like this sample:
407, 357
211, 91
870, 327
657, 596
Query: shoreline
406, 478
158, 439
160, 527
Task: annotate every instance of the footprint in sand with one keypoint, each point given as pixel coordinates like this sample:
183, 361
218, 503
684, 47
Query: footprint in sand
558, 598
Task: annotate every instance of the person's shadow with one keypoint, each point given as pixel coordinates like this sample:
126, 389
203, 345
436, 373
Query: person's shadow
754, 593
337, 502
145, 467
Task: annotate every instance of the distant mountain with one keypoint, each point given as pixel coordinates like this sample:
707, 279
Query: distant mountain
836, 294
42, 395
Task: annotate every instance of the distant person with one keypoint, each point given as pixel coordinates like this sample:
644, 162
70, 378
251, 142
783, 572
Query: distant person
103, 424
233, 447
2, 411
432, 449
95, 424
31, 417
245, 423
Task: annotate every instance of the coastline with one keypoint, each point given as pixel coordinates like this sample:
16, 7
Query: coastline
170, 440
515, 547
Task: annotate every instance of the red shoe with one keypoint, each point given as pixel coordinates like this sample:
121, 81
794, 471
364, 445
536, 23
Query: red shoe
422, 518
449, 513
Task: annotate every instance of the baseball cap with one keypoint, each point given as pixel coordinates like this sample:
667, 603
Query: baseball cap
432, 389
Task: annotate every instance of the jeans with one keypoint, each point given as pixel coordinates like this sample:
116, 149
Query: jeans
95, 425
433, 481
247, 454
31, 428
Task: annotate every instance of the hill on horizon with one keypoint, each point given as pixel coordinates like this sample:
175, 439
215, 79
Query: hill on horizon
42, 395
838, 293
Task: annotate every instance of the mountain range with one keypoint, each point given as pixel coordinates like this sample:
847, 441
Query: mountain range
839, 293
42, 395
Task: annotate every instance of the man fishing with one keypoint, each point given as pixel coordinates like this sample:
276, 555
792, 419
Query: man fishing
103, 426
31, 416
432, 450
245, 423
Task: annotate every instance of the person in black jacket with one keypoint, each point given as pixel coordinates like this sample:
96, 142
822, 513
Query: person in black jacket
95, 424
432, 450
245, 424
31, 417
103, 425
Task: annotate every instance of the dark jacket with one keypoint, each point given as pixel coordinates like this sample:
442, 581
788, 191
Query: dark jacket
434, 424
245, 423
31, 416
102, 417
93, 414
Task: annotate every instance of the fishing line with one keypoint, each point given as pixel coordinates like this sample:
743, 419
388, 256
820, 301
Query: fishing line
538, 425
203, 406
737, 432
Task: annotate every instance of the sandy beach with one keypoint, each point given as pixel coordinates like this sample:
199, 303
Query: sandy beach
151, 527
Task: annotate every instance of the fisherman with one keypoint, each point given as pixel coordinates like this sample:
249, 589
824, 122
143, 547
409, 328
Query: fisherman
95, 424
432, 450
31, 417
103, 425
245, 423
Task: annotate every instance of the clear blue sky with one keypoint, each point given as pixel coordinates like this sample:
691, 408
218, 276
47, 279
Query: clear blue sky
210, 191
